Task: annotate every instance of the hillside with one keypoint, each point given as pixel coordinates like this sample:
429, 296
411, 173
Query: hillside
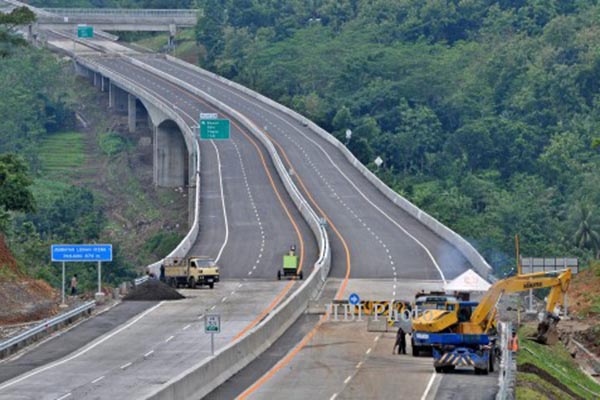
484, 112
550, 372
23, 299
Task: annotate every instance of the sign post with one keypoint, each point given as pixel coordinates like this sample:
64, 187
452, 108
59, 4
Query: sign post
81, 253
212, 325
62, 303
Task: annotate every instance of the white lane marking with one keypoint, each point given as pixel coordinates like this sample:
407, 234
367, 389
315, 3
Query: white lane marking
213, 307
98, 379
169, 339
185, 328
223, 299
222, 203
347, 379
359, 365
80, 353
376, 338
368, 351
334, 396
64, 397
148, 354
295, 128
428, 388
124, 366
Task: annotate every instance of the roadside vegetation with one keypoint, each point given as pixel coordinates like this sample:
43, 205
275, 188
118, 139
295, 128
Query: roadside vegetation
549, 372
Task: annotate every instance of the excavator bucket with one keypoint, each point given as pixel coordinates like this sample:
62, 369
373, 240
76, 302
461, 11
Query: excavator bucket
547, 332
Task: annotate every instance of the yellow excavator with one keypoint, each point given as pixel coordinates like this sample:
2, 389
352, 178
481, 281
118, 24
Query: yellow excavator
462, 334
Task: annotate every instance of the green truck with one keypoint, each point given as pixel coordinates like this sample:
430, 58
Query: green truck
290, 266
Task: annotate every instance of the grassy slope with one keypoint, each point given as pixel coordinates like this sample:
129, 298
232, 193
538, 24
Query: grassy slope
61, 155
186, 48
555, 360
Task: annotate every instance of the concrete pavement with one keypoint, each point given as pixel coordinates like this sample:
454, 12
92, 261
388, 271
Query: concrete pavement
150, 348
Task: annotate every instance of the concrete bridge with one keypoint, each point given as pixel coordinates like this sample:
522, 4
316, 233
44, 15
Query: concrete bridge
174, 153
109, 19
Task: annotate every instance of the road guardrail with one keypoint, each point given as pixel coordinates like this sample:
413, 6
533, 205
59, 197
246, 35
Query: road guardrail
17, 342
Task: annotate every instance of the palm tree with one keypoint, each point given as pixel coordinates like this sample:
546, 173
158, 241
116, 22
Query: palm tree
587, 236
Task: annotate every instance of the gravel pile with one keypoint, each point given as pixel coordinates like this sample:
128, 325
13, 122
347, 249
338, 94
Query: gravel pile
153, 290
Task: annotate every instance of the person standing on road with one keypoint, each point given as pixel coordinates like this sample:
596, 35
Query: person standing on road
400, 342
513, 345
74, 285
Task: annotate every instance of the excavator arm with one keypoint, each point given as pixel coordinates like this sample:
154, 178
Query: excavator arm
559, 282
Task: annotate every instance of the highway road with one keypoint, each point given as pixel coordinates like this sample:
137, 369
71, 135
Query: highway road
371, 239
247, 222
130, 361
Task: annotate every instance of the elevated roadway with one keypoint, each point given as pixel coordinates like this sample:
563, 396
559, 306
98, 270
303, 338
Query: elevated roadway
372, 238
247, 222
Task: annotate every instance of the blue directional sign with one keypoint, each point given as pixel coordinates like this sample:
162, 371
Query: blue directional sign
354, 299
81, 252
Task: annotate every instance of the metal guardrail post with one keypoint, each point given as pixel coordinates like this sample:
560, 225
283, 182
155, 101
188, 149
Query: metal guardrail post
507, 366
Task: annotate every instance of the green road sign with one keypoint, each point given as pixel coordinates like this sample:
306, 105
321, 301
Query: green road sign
85, 31
214, 129
212, 323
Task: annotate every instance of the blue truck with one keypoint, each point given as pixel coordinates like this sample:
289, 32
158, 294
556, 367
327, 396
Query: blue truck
451, 350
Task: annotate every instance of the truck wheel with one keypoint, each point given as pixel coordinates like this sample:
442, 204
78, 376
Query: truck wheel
491, 366
415, 351
211, 285
439, 370
192, 283
300, 275
278, 275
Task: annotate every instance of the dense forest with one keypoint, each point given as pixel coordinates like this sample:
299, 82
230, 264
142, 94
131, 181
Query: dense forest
485, 112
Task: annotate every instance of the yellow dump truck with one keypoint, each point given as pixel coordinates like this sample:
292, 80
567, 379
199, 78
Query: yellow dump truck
191, 271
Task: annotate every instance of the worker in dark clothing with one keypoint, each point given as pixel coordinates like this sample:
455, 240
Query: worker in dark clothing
400, 342
162, 272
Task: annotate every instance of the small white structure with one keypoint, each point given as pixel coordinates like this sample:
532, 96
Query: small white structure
468, 281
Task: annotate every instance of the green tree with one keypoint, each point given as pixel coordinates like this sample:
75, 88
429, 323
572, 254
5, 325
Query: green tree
20, 16
587, 235
209, 29
15, 193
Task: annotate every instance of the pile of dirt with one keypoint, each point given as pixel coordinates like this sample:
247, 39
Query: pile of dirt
584, 291
26, 300
8, 264
153, 290
23, 299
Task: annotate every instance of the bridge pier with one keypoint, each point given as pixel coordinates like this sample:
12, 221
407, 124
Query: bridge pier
117, 98
131, 112
171, 168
